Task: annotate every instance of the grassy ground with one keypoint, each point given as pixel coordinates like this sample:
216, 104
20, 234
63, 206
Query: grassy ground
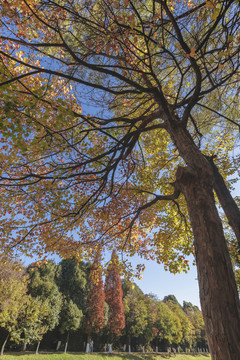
99, 356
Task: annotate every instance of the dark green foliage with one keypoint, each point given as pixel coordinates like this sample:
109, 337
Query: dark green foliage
171, 298
70, 317
72, 280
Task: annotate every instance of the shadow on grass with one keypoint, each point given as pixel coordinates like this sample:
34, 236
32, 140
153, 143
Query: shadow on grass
137, 356
123, 356
150, 356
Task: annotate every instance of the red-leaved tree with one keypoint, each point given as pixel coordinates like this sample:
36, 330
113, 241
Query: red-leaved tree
114, 297
94, 320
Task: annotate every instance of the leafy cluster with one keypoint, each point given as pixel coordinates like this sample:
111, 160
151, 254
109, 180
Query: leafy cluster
153, 323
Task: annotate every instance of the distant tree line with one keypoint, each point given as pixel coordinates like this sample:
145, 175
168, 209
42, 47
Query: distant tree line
67, 306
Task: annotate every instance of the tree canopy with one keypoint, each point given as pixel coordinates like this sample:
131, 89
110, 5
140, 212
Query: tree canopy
68, 168
113, 114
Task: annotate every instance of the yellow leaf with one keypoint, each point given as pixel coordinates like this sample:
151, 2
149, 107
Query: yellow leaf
210, 4
178, 46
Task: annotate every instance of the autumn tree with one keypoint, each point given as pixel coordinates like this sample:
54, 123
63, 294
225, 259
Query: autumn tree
199, 333
152, 313
32, 321
134, 169
25, 318
186, 325
94, 320
114, 297
13, 299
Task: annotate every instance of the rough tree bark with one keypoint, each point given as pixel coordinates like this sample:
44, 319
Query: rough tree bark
227, 202
218, 292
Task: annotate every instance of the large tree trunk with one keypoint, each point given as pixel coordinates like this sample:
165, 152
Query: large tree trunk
218, 292
227, 202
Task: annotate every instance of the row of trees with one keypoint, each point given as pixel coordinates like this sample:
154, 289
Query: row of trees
58, 304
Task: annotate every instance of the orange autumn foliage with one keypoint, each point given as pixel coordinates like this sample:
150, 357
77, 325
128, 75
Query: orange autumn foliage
114, 297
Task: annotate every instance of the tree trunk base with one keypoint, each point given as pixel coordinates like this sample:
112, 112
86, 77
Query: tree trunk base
218, 291
3, 345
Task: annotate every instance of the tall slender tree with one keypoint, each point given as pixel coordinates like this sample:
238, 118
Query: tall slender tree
94, 320
114, 297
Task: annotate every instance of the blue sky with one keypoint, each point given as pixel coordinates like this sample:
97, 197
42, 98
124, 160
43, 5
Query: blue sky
162, 283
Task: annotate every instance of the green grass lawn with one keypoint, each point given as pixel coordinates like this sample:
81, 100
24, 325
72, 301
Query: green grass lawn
100, 356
